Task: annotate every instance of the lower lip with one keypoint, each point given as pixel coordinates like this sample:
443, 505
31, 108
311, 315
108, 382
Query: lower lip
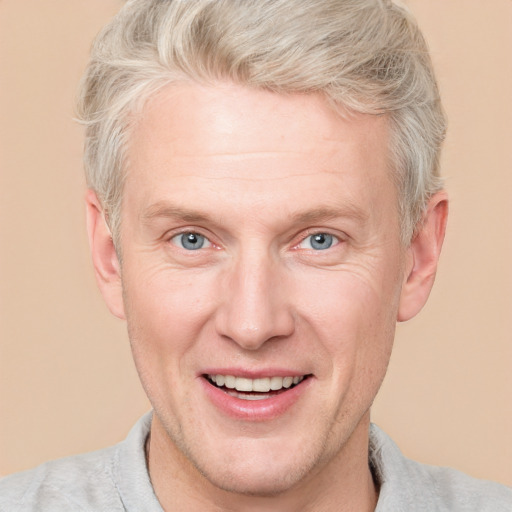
254, 410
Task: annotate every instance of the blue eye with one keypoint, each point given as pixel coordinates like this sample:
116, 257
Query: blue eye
191, 241
318, 241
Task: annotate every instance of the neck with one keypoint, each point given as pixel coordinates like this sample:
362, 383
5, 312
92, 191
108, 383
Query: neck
343, 483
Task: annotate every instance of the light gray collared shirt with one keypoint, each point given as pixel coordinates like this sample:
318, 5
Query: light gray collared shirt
116, 480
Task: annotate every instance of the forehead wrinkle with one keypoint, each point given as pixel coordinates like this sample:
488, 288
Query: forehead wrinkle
256, 178
274, 147
201, 152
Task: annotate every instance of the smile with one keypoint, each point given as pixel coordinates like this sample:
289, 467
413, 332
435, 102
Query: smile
254, 389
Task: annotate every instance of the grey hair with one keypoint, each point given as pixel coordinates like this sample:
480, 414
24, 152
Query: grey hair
366, 56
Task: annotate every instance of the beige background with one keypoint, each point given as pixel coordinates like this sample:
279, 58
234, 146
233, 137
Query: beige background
67, 383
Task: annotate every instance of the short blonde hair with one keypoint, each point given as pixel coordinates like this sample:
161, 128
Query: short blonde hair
363, 55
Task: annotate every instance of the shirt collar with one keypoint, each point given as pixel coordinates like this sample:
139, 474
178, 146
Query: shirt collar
130, 472
397, 483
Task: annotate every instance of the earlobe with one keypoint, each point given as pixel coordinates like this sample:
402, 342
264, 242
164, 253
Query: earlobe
423, 256
104, 257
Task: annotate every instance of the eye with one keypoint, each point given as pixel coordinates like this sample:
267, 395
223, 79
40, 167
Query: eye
191, 241
319, 241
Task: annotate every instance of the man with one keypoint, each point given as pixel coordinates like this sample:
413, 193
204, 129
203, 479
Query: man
264, 204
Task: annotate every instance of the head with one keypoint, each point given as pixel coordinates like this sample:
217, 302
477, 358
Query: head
364, 56
270, 177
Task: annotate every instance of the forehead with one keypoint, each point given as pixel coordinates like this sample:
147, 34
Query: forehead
190, 119
253, 146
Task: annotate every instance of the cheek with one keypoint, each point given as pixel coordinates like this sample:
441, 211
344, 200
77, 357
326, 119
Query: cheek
353, 316
354, 322
165, 312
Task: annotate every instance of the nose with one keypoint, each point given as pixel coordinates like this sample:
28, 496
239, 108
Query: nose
255, 307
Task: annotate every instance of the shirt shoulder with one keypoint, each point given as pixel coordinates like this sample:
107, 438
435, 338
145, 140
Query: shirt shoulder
452, 490
407, 485
114, 479
78, 483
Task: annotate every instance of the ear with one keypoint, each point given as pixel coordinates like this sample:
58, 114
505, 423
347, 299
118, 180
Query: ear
422, 257
104, 256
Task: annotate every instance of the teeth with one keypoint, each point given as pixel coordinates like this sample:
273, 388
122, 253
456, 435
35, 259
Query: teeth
287, 382
245, 396
276, 383
229, 381
263, 385
242, 384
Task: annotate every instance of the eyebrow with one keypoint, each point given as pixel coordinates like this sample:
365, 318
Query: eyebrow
163, 209
328, 213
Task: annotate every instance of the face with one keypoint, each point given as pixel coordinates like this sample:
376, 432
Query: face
261, 277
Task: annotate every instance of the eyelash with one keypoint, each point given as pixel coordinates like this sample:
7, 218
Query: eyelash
334, 240
179, 236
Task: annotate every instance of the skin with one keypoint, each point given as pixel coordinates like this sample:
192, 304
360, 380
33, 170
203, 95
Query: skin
257, 174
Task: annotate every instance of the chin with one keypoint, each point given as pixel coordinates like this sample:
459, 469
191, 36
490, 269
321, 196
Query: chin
259, 467
260, 481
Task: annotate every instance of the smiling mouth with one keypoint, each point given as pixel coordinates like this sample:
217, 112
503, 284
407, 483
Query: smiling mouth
254, 389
